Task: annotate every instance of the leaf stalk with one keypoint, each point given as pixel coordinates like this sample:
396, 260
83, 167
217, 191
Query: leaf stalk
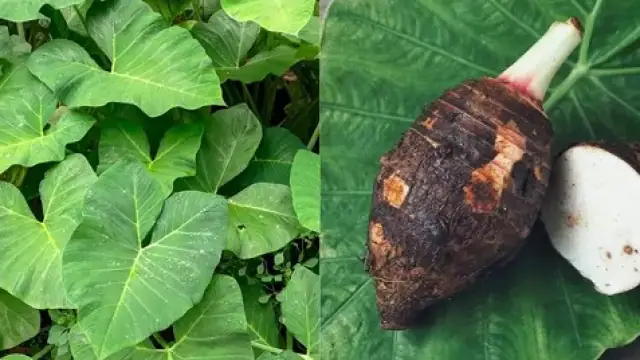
47, 349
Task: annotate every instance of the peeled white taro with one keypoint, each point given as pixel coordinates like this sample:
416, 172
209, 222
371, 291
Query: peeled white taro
591, 213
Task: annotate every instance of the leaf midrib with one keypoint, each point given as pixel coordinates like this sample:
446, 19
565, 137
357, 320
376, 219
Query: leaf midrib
135, 78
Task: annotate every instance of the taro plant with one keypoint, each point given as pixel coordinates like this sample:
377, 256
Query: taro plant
159, 193
384, 60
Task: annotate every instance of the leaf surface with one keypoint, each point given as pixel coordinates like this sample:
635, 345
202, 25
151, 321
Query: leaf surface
275, 61
25, 10
31, 250
176, 156
226, 41
18, 321
261, 220
285, 355
154, 66
301, 307
81, 347
75, 15
168, 8
305, 188
16, 357
26, 108
231, 138
135, 289
272, 161
261, 318
274, 15
381, 64
215, 328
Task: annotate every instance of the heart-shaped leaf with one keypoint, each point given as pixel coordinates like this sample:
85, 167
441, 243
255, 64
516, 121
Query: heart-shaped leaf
231, 138
18, 321
261, 220
305, 188
31, 250
226, 41
125, 289
274, 15
32, 130
153, 65
215, 328
272, 161
261, 318
301, 308
175, 158
25, 10
382, 61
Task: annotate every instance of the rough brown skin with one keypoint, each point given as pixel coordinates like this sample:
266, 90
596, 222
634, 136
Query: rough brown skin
456, 195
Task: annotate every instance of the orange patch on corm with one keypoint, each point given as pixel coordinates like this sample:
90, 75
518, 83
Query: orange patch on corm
395, 190
380, 248
573, 220
537, 171
429, 122
495, 175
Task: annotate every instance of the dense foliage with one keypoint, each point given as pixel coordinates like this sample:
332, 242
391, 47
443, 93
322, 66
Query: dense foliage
160, 179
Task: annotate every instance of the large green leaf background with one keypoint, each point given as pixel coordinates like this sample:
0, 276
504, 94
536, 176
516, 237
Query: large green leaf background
382, 61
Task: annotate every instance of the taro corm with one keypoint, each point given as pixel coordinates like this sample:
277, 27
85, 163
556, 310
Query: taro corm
463, 187
591, 216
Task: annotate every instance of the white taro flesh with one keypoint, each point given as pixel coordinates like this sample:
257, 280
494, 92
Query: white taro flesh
591, 213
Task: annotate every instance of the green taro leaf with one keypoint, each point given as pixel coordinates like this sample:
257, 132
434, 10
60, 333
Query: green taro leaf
274, 15
230, 141
168, 8
382, 61
272, 161
215, 328
311, 32
305, 188
261, 318
301, 308
176, 156
31, 250
226, 41
125, 289
261, 220
16, 357
285, 355
32, 130
75, 15
275, 61
81, 347
18, 321
25, 10
153, 65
